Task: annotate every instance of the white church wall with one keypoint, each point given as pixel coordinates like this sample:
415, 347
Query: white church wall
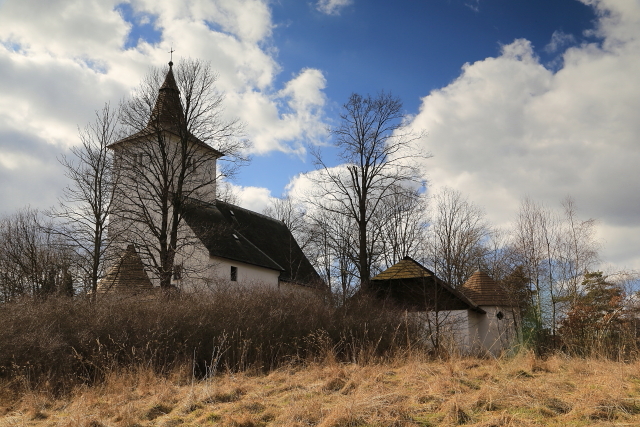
203, 272
247, 275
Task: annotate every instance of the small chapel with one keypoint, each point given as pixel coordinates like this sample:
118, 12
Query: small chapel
477, 318
228, 245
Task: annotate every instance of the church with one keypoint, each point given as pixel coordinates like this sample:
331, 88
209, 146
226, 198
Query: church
165, 197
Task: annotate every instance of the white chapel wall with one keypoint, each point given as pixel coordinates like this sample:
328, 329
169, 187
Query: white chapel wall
489, 333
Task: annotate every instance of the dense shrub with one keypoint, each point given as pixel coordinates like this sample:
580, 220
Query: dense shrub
64, 341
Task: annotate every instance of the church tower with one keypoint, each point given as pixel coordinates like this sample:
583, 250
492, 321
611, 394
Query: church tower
162, 145
160, 167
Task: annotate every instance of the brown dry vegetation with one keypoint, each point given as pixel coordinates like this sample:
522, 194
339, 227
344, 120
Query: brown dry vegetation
521, 391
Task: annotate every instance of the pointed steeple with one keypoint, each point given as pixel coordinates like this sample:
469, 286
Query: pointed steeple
168, 111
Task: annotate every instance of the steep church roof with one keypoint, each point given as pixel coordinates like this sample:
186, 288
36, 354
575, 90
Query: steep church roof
168, 110
126, 276
483, 290
235, 233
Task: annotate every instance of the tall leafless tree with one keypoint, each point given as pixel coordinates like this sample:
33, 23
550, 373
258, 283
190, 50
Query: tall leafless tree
457, 236
578, 250
292, 214
178, 130
85, 205
555, 249
402, 223
378, 153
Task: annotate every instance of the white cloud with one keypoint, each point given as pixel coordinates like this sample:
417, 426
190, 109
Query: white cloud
559, 40
253, 198
287, 119
332, 7
508, 127
473, 5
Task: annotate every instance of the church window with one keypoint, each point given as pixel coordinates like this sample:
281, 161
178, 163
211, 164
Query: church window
234, 274
500, 315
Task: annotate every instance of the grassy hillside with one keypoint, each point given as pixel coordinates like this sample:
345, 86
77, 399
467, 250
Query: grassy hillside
522, 391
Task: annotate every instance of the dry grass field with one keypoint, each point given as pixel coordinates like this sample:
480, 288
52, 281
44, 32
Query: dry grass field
521, 391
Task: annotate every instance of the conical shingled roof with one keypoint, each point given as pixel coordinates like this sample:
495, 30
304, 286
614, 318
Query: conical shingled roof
167, 115
127, 276
168, 109
483, 290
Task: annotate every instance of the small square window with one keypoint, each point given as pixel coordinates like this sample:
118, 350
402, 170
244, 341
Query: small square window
234, 274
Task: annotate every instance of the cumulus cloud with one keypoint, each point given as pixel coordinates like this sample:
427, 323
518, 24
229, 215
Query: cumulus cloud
507, 127
289, 118
62, 59
332, 7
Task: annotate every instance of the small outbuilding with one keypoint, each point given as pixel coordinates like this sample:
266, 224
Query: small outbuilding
476, 318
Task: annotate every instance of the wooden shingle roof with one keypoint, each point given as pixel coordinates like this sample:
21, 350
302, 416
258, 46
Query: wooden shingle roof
126, 276
483, 290
166, 114
410, 284
407, 268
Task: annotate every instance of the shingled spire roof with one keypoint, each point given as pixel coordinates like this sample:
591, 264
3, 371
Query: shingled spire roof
168, 109
483, 290
167, 115
126, 276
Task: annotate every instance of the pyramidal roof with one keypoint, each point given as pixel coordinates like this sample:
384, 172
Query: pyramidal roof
483, 290
127, 275
406, 268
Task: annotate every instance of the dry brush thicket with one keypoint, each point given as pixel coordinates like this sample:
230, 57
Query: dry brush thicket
58, 343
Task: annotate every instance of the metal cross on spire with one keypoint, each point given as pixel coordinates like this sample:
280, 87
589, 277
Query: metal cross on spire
171, 53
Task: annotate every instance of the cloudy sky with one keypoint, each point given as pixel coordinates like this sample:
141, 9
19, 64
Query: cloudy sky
537, 98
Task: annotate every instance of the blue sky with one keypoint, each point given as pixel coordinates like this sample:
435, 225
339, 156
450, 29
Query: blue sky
408, 47
518, 98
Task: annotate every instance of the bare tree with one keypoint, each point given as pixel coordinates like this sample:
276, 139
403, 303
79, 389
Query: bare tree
402, 223
379, 156
33, 262
457, 235
555, 250
177, 132
292, 214
531, 249
577, 250
85, 205
334, 245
